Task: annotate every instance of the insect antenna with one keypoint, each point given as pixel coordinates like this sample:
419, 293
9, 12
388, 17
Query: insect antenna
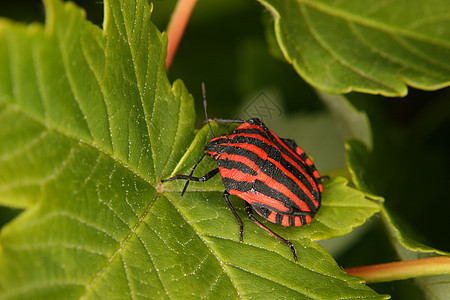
204, 106
212, 133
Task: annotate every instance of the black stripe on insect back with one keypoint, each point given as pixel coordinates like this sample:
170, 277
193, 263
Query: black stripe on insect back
307, 169
269, 168
270, 136
293, 169
231, 164
239, 139
279, 218
265, 211
268, 149
264, 189
240, 186
277, 174
250, 131
261, 187
254, 157
303, 156
273, 171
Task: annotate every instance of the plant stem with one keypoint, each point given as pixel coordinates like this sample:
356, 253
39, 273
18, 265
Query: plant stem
177, 25
439, 265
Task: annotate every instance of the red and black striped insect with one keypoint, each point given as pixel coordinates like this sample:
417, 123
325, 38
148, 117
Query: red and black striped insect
273, 175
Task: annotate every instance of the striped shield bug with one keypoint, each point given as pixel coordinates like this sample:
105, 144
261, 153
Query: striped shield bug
272, 175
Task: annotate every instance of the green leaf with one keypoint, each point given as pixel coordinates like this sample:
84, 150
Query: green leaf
434, 287
405, 244
407, 248
365, 46
90, 125
359, 164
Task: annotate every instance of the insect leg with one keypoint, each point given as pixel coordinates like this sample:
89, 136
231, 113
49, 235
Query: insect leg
236, 216
204, 178
192, 172
250, 215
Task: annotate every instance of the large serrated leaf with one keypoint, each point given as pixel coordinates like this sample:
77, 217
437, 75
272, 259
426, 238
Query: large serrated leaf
367, 46
90, 125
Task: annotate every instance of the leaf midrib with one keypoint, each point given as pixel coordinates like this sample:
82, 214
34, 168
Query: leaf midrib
77, 140
122, 245
17, 109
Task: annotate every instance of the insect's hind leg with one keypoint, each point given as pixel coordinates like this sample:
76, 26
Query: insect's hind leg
236, 216
250, 215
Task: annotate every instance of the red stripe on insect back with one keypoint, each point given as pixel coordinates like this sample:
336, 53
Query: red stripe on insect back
247, 125
308, 219
285, 146
299, 168
285, 220
316, 174
296, 165
299, 151
272, 217
252, 197
272, 183
295, 179
253, 148
236, 175
242, 159
287, 158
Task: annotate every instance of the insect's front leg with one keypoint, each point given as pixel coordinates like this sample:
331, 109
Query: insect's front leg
204, 178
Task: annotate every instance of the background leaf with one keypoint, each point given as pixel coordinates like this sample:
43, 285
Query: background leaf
91, 125
405, 245
433, 287
372, 47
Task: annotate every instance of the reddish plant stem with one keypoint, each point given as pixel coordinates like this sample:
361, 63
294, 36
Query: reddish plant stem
399, 270
177, 25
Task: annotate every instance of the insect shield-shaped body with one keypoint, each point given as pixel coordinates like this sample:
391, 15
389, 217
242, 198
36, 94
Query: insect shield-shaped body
273, 175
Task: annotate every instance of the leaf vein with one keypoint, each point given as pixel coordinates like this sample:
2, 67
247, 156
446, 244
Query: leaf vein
26, 147
31, 247
130, 289
121, 246
332, 11
65, 62
335, 55
153, 264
